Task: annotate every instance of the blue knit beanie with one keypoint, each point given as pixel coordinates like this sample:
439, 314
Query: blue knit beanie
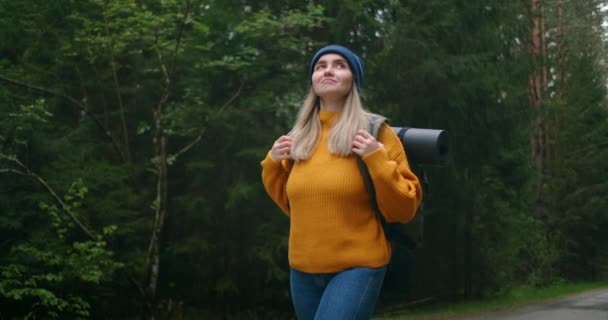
357, 67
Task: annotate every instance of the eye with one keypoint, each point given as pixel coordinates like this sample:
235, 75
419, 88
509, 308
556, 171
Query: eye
319, 67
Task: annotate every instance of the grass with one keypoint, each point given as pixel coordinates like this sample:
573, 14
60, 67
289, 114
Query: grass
514, 298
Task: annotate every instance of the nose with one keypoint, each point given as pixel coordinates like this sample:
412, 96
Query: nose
328, 70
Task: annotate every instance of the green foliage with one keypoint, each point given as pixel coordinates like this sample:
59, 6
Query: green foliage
85, 83
30, 114
575, 210
35, 273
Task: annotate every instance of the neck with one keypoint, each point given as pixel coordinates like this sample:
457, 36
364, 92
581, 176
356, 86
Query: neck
331, 104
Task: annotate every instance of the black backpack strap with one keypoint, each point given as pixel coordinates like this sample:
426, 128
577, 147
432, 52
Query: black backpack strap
369, 186
291, 164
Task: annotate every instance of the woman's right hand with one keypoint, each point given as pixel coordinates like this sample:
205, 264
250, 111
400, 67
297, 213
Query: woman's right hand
281, 149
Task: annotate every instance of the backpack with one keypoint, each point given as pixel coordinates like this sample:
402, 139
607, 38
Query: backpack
410, 234
422, 147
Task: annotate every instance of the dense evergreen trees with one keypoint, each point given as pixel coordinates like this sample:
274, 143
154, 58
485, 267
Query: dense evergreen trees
132, 133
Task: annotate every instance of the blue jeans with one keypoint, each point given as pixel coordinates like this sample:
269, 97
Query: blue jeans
347, 295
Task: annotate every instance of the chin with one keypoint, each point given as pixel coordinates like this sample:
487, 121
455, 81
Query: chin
332, 93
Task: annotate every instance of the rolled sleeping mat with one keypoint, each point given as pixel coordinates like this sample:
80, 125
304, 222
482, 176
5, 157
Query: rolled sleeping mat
424, 146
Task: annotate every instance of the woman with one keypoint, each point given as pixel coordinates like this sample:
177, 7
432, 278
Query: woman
337, 248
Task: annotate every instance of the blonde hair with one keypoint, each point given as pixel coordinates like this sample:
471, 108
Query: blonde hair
307, 127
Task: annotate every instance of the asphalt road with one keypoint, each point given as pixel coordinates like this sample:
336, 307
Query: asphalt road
590, 305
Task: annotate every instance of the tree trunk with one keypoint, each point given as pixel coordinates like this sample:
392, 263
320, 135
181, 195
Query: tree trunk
537, 88
160, 205
153, 257
468, 248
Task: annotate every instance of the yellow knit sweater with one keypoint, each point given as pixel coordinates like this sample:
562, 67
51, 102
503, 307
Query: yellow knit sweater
332, 224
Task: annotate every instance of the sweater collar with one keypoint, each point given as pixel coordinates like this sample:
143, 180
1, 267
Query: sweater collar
328, 117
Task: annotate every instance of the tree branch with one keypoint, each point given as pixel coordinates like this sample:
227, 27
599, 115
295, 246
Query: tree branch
79, 105
76, 103
27, 172
189, 146
200, 136
178, 40
121, 107
9, 170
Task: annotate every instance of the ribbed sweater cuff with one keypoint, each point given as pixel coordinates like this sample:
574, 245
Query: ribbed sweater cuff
376, 158
271, 164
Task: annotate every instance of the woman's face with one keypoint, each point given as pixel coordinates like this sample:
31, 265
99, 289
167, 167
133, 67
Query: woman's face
331, 77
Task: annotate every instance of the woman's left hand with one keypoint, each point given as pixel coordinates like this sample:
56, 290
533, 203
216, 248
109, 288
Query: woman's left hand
365, 143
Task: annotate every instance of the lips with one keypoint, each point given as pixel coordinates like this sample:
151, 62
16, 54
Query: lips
328, 80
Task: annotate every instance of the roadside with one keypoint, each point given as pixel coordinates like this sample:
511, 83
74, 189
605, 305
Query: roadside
517, 299
591, 305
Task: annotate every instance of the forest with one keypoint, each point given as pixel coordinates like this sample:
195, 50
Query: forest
132, 133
